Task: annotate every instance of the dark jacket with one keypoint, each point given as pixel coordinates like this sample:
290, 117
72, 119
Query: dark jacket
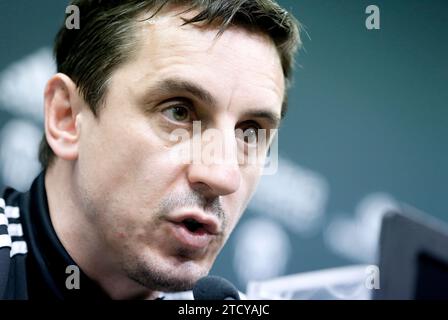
33, 262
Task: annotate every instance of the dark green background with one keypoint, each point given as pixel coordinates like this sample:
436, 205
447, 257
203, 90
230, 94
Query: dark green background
368, 110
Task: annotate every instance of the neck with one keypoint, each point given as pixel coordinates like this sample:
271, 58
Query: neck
80, 238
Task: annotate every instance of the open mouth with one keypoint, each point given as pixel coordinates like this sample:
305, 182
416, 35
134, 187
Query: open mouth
193, 226
197, 223
194, 229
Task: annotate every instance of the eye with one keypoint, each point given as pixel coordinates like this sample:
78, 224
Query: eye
178, 113
248, 132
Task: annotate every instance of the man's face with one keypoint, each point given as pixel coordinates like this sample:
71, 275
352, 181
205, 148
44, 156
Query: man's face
163, 222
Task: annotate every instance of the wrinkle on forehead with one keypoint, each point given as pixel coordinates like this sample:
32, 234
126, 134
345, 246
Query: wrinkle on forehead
173, 34
238, 62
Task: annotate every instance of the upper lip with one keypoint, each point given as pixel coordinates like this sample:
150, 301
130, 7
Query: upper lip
209, 223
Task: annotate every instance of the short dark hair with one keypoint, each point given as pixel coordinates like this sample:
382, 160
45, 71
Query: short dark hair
89, 55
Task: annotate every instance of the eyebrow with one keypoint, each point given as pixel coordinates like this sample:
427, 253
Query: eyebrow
170, 85
271, 117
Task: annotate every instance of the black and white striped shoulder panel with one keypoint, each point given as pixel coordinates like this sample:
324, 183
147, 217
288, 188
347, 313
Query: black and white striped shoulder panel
11, 232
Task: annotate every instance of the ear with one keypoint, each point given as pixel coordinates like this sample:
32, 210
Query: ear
62, 116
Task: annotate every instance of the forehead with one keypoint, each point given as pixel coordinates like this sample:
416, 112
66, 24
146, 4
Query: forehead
238, 65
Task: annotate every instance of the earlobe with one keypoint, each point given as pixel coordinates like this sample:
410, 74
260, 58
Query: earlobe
62, 114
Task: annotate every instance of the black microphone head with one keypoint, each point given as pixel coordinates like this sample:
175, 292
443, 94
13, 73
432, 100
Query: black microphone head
215, 288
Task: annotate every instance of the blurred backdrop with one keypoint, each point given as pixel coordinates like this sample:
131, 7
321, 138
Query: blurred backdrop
367, 128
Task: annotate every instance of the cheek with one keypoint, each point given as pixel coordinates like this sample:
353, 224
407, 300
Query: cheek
251, 177
124, 172
123, 151
238, 201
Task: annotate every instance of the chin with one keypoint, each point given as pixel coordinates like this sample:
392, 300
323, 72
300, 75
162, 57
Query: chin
186, 275
167, 276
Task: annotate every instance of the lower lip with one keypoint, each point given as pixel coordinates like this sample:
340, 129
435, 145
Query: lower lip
195, 240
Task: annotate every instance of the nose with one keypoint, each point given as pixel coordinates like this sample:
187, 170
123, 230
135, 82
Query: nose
219, 177
214, 180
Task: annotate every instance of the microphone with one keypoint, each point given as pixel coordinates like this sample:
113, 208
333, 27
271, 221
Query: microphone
215, 288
